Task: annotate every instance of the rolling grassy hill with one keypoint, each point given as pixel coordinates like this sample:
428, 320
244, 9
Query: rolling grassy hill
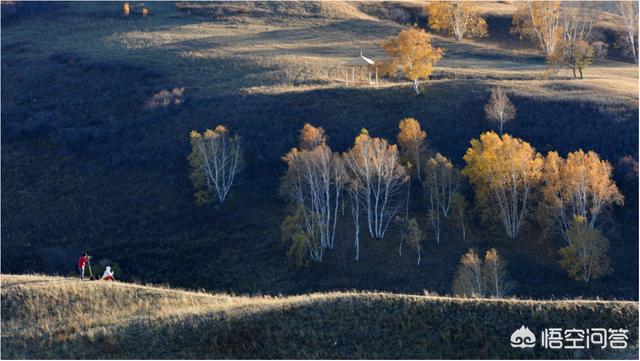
87, 165
54, 317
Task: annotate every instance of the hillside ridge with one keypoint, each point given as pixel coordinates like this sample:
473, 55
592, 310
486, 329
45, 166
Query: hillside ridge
12, 280
67, 318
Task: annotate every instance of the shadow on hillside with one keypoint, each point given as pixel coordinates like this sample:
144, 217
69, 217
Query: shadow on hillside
104, 173
344, 327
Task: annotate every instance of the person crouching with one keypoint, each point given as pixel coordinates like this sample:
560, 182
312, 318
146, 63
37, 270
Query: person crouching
107, 275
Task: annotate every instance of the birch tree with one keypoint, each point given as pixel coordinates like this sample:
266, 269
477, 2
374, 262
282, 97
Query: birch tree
578, 56
541, 21
374, 166
415, 237
311, 137
459, 213
503, 171
468, 280
458, 18
442, 180
586, 258
495, 275
577, 22
412, 53
215, 162
354, 191
499, 109
314, 182
628, 11
413, 147
580, 186
434, 219
295, 230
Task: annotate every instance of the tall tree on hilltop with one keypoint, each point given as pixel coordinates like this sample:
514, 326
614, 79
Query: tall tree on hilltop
412, 52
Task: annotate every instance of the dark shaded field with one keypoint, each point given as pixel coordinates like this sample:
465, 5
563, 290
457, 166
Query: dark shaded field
116, 181
86, 167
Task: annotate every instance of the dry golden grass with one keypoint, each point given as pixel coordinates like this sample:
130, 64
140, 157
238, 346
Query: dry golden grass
268, 47
497, 8
605, 83
56, 317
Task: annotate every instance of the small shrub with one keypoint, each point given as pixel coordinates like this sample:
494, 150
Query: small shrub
166, 98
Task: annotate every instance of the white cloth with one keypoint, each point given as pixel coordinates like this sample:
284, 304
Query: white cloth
107, 273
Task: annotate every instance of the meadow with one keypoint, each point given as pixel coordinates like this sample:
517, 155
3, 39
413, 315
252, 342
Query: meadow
88, 165
116, 320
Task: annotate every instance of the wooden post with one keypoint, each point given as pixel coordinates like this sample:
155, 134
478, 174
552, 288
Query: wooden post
353, 74
377, 77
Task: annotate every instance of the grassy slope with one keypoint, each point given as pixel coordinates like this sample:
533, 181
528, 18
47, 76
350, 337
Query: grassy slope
112, 177
291, 44
66, 318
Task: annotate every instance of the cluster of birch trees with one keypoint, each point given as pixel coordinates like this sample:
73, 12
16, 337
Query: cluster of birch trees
319, 183
371, 185
215, 161
570, 195
564, 30
314, 183
507, 173
475, 278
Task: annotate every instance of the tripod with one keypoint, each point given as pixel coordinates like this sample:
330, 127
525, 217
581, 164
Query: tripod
90, 270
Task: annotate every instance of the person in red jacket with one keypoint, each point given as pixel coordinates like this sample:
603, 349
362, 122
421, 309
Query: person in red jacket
83, 262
